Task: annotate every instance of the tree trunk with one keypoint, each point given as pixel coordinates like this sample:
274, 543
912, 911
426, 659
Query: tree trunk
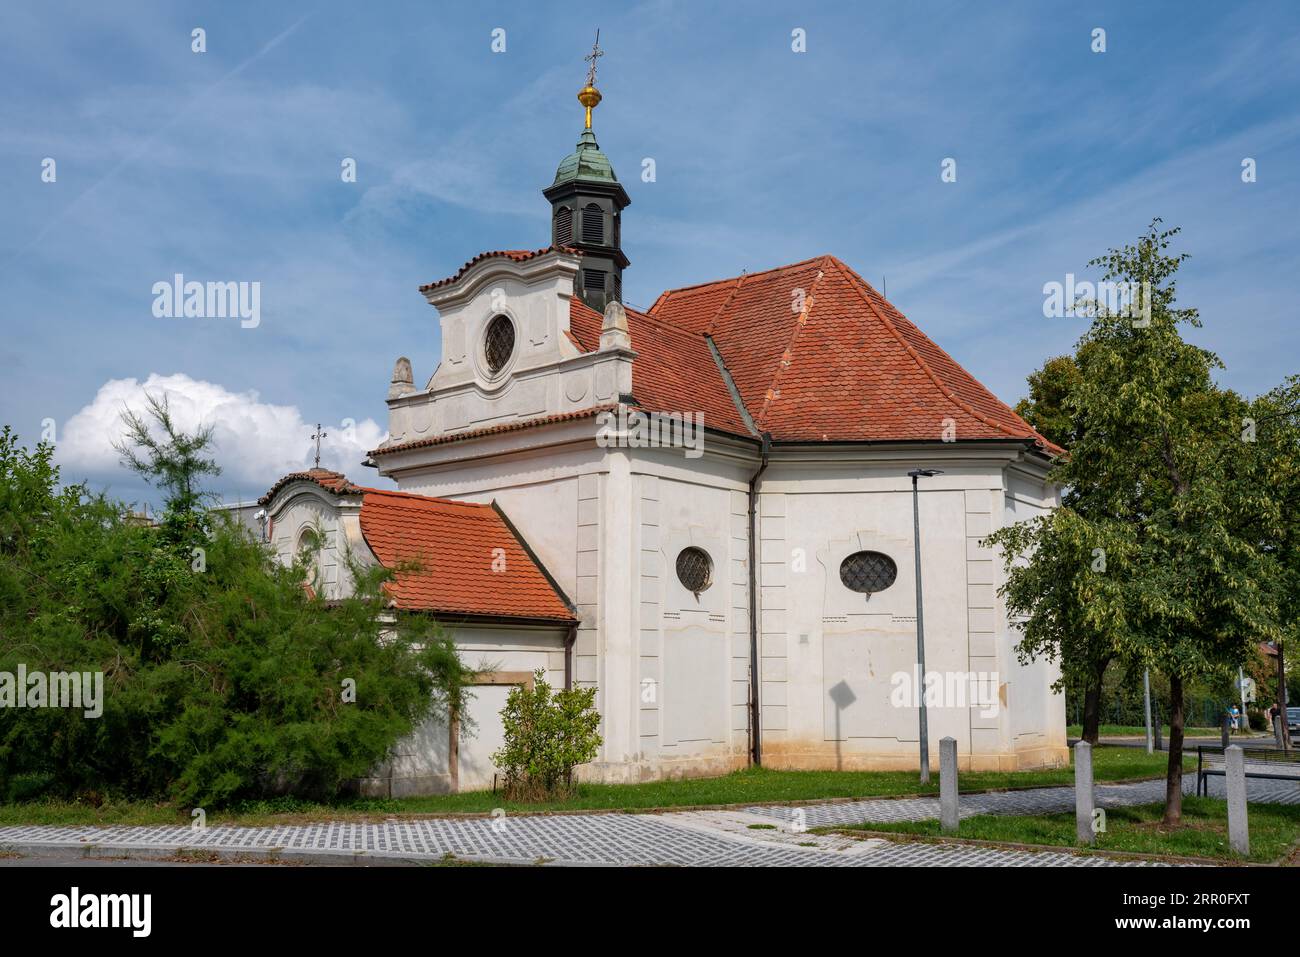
1174, 776
453, 750
1281, 696
1092, 705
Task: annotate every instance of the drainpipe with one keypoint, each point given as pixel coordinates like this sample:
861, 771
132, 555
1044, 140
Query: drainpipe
569, 639
755, 744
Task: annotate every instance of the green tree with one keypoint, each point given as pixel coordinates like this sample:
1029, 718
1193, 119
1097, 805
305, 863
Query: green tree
223, 678
1068, 598
1154, 481
1047, 407
1064, 578
1271, 453
174, 462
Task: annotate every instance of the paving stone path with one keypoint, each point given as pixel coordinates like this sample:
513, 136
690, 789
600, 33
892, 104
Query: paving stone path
755, 836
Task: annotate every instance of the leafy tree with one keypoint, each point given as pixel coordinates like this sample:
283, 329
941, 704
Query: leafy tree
1067, 598
1047, 407
174, 462
1064, 578
1156, 480
223, 678
1271, 450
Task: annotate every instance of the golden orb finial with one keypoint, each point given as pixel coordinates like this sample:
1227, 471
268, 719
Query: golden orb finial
589, 96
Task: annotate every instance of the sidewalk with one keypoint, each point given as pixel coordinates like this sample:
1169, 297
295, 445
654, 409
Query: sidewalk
755, 836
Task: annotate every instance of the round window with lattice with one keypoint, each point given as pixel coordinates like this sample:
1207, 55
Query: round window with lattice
868, 572
499, 343
694, 569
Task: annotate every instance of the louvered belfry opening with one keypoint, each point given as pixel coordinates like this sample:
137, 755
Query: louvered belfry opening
563, 226
593, 225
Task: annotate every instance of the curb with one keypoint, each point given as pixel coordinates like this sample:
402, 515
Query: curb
271, 855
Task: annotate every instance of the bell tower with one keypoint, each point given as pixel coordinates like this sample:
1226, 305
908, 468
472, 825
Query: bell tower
587, 203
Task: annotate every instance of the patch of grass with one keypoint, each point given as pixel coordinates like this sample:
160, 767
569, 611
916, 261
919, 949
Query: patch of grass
1274, 829
1136, 731
451, 860
761, 827
750, 786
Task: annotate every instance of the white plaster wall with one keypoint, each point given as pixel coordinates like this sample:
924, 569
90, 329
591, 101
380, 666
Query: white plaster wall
307, 507
1037, 720
686, 647
838, 650
829, 655
546, 373
420, 762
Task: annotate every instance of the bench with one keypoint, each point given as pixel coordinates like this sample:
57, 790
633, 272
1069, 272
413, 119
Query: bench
1274, 764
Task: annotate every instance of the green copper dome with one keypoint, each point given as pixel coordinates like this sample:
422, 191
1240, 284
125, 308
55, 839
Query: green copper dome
586, 162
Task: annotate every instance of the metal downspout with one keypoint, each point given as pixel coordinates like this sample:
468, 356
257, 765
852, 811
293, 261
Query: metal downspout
755, 737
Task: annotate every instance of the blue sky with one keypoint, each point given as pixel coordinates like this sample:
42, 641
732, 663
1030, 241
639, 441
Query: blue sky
225, 165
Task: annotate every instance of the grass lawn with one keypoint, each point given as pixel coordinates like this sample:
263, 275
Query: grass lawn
1137, 731
1274, 829
740, 787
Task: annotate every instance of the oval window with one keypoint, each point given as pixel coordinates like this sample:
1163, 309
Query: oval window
868, 572
499, 343
694, 569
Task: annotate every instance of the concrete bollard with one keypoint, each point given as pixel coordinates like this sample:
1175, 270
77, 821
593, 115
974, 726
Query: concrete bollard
1083, 797
948, 785
1235, 777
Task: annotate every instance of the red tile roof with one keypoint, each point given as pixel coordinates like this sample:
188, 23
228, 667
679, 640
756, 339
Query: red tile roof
517, 255
335, 482
674, 370
814, 352
455, 545
818, 355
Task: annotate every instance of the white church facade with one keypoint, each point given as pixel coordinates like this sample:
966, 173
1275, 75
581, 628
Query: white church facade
704, 511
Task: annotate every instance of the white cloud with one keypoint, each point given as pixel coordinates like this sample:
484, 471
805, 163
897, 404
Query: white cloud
255, 442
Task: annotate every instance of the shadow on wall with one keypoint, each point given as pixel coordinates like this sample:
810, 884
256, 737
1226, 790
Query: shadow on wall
842, 695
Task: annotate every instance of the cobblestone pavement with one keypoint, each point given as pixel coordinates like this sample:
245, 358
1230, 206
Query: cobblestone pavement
756, 836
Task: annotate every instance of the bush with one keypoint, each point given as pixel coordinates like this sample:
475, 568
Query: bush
547, 735
223, 679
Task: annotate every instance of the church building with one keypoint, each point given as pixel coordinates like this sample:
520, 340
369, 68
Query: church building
705, 510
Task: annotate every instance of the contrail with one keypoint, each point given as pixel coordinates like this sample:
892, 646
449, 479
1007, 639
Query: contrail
145, 146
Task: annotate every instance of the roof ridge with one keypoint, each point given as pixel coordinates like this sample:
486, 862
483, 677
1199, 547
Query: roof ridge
857, 282
725, 279
787, 357
339, 484
436, 499
740, 281
515, 255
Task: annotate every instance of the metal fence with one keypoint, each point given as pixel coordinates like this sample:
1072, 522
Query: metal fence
1198, 712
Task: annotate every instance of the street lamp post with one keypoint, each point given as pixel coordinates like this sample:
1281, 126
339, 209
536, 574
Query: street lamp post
920, 620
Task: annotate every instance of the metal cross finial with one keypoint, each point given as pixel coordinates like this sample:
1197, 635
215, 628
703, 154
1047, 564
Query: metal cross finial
318, 435
595, 53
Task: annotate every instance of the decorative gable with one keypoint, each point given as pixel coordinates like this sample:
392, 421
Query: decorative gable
508, 353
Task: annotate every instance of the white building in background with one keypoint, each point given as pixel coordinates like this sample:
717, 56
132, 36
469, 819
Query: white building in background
705, 513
